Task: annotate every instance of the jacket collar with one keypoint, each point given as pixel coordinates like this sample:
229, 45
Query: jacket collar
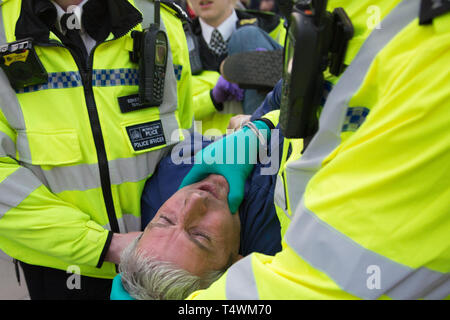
100, 17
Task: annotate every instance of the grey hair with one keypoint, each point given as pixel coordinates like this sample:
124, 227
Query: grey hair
147, 278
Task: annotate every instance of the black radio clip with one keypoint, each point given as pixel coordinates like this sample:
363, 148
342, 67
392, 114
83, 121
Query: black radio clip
316, 40
194, 49
150, 50
21, 64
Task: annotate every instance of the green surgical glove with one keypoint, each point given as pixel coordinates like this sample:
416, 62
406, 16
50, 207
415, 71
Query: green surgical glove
233, 157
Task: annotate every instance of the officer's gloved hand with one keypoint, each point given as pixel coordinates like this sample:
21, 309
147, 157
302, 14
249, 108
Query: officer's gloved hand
118, 292
226, 91
233, 157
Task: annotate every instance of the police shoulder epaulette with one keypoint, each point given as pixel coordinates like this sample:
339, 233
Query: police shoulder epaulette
268, 21
258, 12
430, 9
177, 10
251, 21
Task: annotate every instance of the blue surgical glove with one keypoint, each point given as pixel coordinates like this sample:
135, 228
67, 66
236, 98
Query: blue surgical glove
233, 157
118, 292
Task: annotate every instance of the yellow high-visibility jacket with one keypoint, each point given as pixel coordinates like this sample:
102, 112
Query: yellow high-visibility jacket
367, 203
203, 83
72, 165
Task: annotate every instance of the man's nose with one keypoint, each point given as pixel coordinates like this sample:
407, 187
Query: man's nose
195, 206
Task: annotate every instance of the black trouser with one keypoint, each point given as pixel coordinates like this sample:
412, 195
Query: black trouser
51, 284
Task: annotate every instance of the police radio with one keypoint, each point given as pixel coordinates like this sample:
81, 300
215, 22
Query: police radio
316, 40
194, 49
150, 50
21, 64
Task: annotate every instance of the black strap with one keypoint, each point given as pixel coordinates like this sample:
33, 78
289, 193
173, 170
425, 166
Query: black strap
268, 123
180, 12
16, 268
73, 35
217, 105
430, 9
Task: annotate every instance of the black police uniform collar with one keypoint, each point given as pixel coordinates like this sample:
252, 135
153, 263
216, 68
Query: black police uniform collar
100, 17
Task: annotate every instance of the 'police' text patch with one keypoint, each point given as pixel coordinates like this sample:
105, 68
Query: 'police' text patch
146, 135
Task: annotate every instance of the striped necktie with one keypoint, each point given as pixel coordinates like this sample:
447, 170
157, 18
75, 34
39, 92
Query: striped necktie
72, 33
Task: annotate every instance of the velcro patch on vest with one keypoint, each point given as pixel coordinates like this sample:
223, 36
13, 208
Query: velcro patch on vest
146, 135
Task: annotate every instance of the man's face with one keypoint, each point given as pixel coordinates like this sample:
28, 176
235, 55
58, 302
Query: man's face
194, 228
213, 12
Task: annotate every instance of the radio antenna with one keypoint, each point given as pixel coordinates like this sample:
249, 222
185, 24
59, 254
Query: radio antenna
157, 13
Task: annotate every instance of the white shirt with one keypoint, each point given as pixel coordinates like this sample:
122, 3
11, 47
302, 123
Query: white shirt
226, 29
89, 43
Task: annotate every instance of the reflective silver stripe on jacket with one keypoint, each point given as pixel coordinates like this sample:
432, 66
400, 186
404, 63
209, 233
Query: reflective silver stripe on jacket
12, 111
83, 177
148, 13
86, 176
353, 267
7, 146
15, 188
240, 281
